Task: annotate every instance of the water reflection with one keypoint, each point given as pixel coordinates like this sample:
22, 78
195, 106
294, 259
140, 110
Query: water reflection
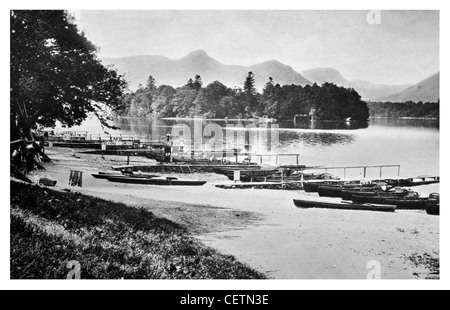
403, 122
306, 123
322, 139
246, 132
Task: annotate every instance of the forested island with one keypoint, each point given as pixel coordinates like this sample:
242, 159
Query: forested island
325, 102
404, 109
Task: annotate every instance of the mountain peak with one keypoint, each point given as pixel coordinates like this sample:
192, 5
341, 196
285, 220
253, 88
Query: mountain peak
322, 75
197, 54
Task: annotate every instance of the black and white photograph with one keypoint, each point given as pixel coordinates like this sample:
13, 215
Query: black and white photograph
224, 144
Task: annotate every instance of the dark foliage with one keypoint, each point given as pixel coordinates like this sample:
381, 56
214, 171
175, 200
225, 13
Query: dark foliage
404, 109
326, 102
55, 73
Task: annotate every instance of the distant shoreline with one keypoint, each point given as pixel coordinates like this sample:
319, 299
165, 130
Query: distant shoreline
405, 117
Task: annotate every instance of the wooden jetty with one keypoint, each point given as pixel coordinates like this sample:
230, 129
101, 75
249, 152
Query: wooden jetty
182, 168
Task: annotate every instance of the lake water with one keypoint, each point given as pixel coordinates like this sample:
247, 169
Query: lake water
412, 144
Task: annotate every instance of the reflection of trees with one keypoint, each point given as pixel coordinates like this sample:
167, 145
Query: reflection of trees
308, 124
314, 138
156, 128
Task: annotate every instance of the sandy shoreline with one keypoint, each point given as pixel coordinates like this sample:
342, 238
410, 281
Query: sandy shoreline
264, 229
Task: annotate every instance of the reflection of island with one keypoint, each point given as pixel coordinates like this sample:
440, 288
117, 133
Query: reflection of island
307, 123
287, 138
154, 129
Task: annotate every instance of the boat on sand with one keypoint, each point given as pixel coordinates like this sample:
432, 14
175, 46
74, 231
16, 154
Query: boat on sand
343, 205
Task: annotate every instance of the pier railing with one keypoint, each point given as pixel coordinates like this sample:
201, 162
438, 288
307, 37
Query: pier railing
364, 169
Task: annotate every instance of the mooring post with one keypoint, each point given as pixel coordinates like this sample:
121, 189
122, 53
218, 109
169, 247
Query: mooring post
365, 172
381, 171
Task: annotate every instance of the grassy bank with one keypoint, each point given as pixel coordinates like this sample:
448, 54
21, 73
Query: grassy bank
109, 240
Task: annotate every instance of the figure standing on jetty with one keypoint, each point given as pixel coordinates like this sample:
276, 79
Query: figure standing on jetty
168, 149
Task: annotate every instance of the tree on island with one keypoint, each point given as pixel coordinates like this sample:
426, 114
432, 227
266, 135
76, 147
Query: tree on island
56, 75
250, 93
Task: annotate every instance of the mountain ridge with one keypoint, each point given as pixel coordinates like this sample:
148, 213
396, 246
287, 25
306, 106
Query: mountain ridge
176, 72
426, 90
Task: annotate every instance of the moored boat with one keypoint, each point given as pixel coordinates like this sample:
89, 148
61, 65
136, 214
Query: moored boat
379, 192
336, 190
410, 201
343, 206
433, 204
156, 181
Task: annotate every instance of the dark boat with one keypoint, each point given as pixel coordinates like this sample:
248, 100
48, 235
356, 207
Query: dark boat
433, 209
336, 190
433, 204
367, 192
156, 181
343, 206
411, 201
312, 187
105, 175
257, 175
410, 182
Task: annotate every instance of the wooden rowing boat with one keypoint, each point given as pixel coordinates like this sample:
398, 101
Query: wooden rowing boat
401, 203
336, 190
156, 181
312, 187
343, 206
433, 209
377, 192
433, 204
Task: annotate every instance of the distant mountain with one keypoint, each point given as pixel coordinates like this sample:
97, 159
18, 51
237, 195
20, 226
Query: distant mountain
367, 90
370, 91
322, 75
177, 72
426, 91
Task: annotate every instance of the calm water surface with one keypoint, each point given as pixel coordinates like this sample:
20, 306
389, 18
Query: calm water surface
413, 144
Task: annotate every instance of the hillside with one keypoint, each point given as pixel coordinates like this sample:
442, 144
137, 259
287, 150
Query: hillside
367, 90
322, 75
177, 72
426, 91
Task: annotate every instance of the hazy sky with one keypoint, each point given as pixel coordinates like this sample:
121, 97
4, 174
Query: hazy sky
403, 48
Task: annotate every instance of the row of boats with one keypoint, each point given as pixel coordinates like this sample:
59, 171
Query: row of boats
257, 174
145, 178
368, 196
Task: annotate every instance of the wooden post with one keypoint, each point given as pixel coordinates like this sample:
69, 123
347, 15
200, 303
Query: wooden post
128, 159
297, 160
345, 170
381, 171
365, 172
